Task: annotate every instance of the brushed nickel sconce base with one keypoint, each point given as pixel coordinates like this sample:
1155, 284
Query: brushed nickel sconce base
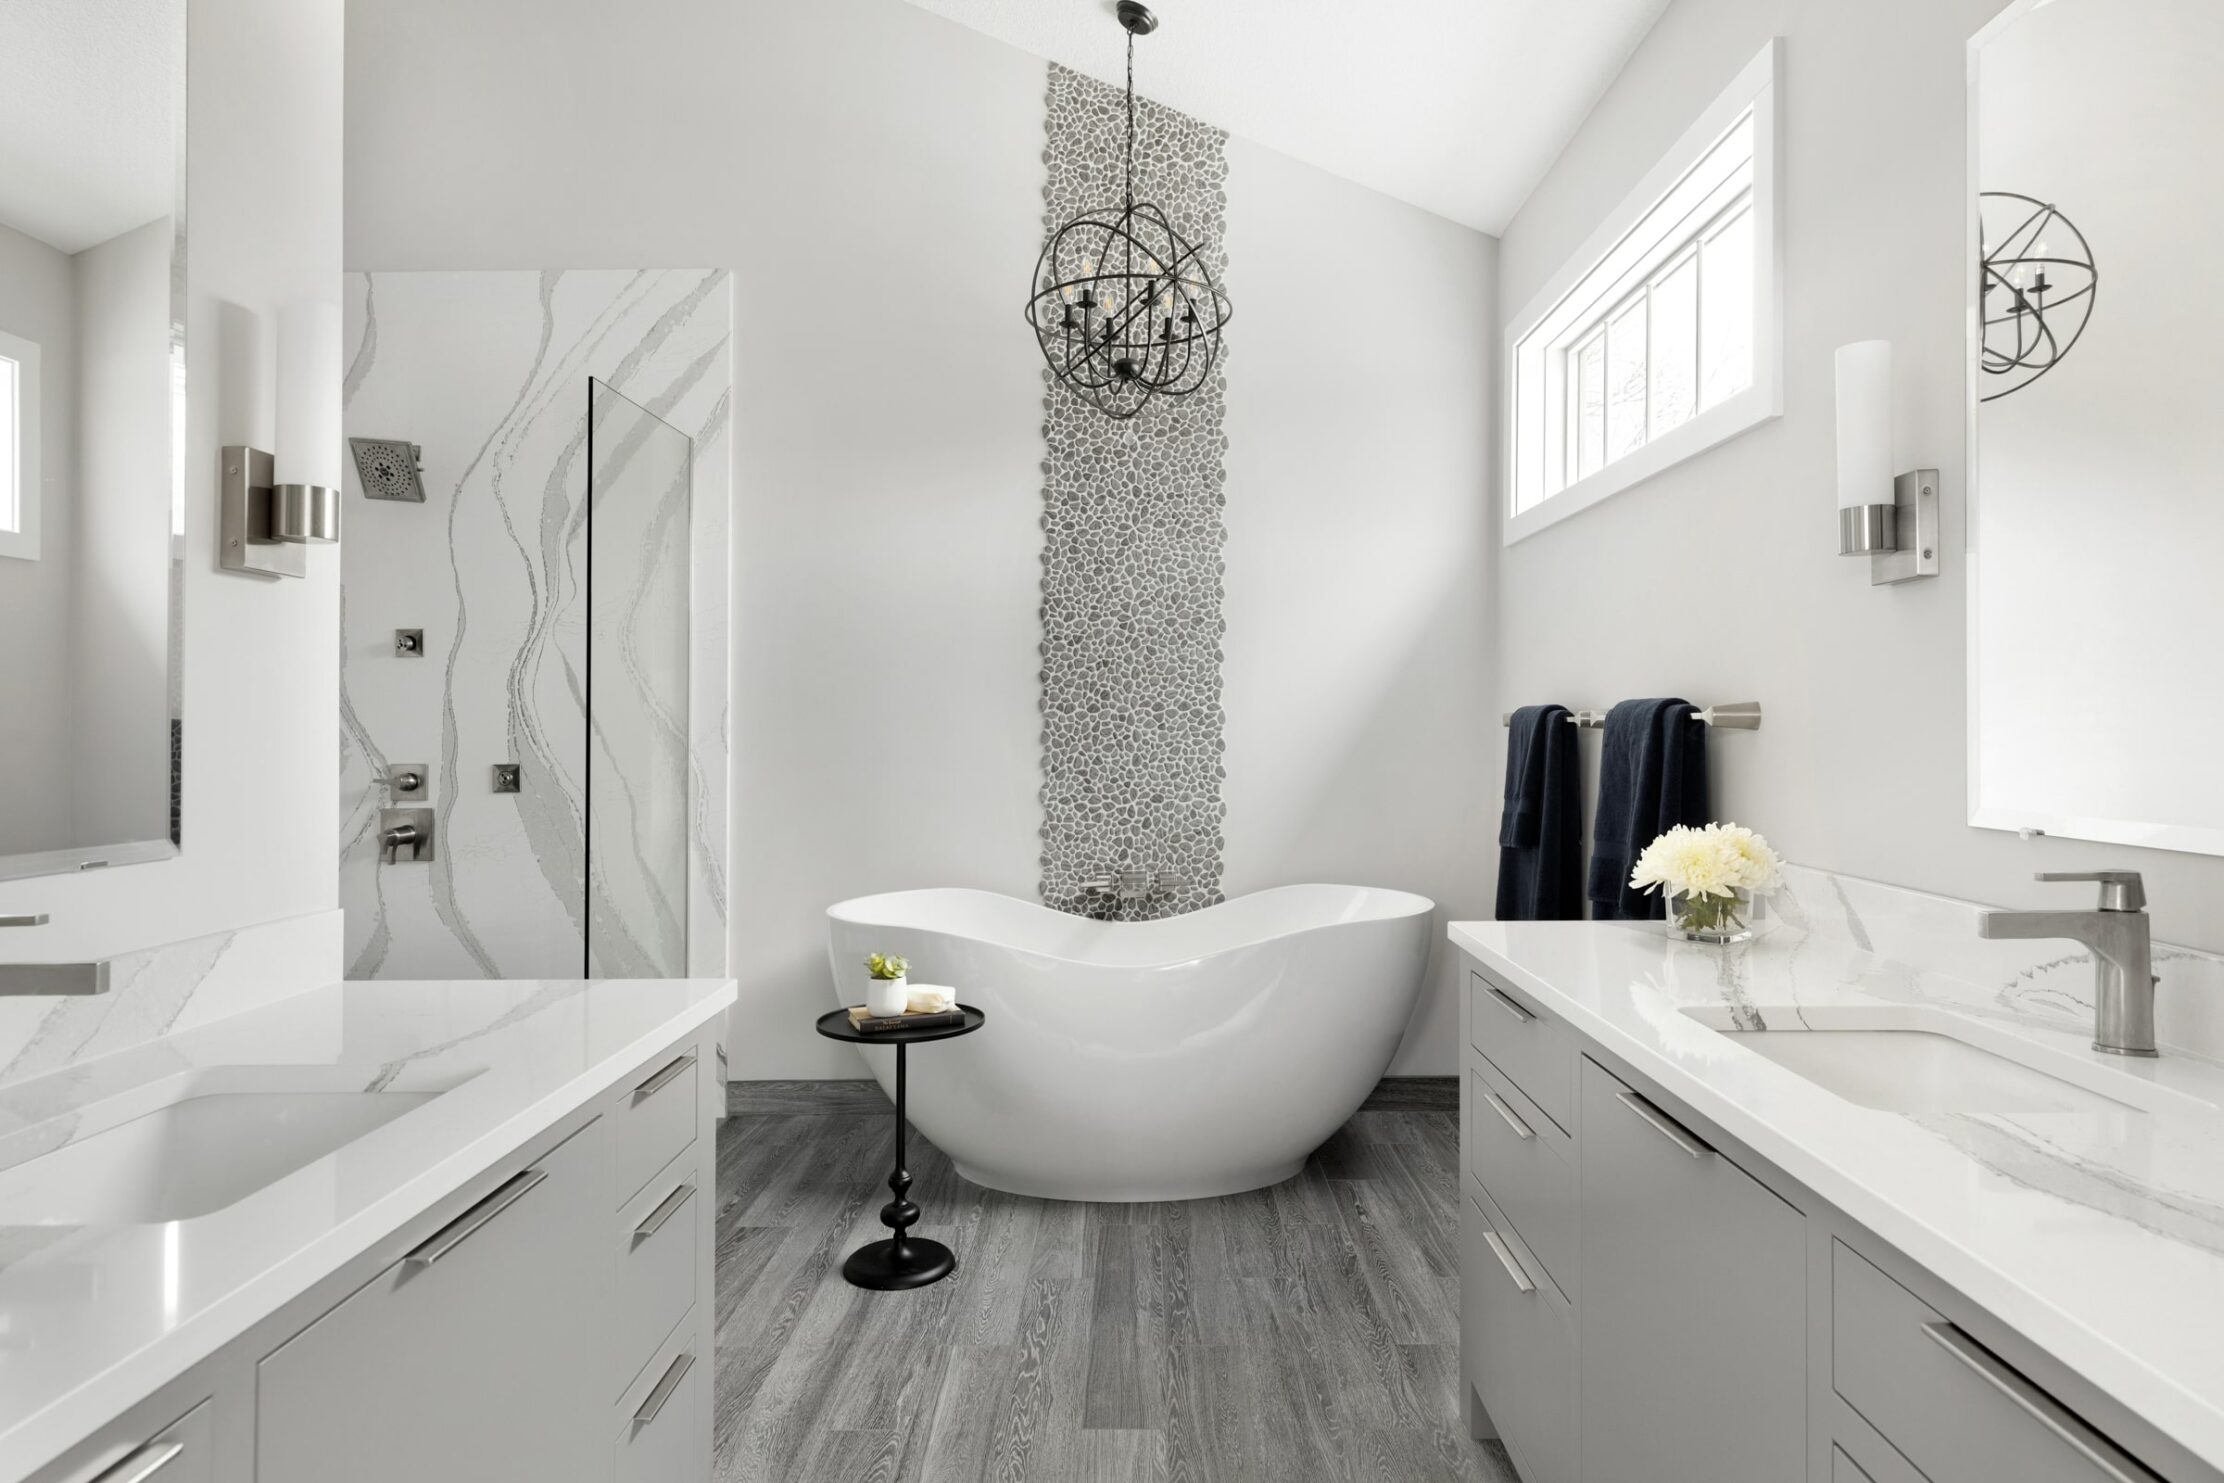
245, 498
1900, 539
264, 524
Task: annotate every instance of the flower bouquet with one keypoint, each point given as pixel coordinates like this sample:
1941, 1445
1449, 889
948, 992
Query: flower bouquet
1714, 880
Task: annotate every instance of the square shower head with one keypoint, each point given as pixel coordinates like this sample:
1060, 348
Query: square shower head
389, 468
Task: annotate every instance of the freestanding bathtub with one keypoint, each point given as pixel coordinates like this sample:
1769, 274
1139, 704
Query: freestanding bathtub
1164, 1060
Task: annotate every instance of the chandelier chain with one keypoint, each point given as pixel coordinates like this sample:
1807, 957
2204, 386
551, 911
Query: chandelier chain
1130, 121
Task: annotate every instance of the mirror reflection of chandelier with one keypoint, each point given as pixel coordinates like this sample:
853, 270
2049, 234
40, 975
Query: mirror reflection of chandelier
1124, 306
2035, 289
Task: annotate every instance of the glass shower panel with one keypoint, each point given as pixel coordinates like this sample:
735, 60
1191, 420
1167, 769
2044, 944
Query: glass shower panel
638, 509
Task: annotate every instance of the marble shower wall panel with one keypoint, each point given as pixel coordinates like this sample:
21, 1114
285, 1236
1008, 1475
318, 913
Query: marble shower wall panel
1131, 584
489, 372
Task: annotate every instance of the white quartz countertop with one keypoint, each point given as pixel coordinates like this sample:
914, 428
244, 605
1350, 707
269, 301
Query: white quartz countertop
95, 1318
2099, 1236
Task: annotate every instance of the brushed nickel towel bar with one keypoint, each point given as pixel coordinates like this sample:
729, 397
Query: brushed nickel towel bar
1736, 715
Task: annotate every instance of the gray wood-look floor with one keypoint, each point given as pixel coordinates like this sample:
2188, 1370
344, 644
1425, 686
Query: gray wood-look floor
1309, 1331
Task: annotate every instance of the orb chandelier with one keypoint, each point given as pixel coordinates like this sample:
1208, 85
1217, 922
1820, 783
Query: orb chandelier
1124, 306
2046, 289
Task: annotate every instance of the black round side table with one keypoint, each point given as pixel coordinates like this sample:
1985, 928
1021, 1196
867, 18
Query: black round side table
901, 1261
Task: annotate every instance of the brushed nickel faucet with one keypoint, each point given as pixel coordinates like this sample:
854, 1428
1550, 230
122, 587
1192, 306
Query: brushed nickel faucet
2123, 954
48, 978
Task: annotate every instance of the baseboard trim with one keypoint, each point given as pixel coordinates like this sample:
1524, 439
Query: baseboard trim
1414, 1094
848, 1097
862, 1097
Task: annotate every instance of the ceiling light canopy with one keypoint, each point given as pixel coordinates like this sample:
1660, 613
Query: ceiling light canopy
1124, 307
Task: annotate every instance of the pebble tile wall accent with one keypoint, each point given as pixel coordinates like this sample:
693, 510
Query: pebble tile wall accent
1132, 554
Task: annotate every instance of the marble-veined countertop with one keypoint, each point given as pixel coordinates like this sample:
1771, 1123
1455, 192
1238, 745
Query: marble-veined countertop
95, 1318
2098, 1235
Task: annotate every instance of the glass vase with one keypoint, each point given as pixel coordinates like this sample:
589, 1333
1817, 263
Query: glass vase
1704, 918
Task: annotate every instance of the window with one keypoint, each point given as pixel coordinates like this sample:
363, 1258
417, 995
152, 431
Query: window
19, 447
1660, 338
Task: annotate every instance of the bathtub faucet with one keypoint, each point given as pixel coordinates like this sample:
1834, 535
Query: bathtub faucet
1132, 885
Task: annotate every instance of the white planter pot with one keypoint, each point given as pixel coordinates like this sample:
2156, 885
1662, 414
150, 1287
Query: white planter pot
887, 995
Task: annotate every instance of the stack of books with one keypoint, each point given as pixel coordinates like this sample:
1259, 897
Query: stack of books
865, 1022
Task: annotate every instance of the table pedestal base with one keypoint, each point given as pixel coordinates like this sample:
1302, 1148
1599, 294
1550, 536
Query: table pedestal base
893, 1266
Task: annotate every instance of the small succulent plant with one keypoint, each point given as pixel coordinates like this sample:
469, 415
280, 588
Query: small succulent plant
886, 965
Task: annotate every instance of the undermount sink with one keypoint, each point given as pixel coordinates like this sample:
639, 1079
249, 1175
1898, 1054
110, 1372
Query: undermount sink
191, 1145
1914, 1059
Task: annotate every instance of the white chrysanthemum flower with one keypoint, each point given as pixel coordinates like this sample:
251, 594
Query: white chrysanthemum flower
1755, 865
1686, 861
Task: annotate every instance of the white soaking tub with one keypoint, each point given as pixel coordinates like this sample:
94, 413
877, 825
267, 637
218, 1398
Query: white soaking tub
1192, 1056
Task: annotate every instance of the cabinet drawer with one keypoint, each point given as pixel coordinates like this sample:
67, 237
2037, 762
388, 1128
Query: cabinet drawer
656, 1119
1523, 1347
658, 1238
473, 1357
664, 1416
1530, 1048
182, 1452
1513, 1152
1958, 1412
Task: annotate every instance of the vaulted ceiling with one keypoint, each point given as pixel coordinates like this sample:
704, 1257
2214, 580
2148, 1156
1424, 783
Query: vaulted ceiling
1457, 106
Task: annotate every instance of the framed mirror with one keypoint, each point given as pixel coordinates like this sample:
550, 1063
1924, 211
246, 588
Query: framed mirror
92, 390
2096, 521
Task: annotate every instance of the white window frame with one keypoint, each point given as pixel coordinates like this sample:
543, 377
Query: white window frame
22, 542
1537, 341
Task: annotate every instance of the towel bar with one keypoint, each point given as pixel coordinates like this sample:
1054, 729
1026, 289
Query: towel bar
1736, 715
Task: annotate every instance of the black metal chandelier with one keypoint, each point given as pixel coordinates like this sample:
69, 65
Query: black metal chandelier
2046, 288
1124, 306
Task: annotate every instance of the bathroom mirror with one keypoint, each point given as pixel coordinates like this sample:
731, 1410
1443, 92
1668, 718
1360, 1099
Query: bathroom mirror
2096, 526
92, 360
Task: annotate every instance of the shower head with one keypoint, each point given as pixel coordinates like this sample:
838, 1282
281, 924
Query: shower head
389, 468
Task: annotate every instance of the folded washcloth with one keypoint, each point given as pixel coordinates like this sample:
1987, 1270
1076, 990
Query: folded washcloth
931, 999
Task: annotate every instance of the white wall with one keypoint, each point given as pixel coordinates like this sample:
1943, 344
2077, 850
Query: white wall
261, 682
1360, 730
38, 302
1861, 765
873, 175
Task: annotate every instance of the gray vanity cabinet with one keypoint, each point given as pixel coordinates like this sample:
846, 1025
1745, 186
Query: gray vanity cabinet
1645, 1300
1693, 1323
463, 1359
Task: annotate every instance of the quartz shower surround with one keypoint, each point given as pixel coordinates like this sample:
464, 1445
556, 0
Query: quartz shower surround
489, 371
1132, 554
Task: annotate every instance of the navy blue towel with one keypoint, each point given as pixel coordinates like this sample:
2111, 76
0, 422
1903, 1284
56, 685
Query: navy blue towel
1652, 776
1540, 835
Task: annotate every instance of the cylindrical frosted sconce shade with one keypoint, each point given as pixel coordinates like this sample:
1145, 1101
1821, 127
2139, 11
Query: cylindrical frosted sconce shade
1865, 424
309, 439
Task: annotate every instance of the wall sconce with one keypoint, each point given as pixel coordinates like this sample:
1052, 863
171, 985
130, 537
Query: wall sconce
272, 507
1889, 517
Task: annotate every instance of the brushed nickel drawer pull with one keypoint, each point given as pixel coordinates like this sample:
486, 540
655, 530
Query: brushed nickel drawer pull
143, 1463
2037, 1404
1505, 1257
1510, 1004
1663, 1124
665, 1385
1513, 1119
664, 1211
472, 1221
663, 1077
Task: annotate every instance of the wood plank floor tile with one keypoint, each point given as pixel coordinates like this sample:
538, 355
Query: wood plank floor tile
1307, 1332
